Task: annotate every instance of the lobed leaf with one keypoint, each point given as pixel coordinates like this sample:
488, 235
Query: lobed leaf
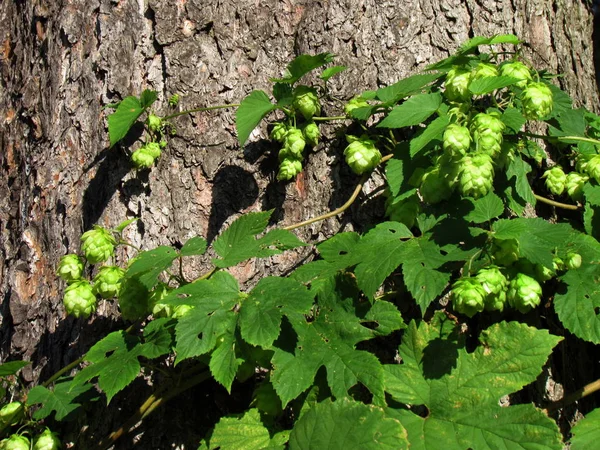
64, 399
586, 432
303, 64
413, 111
251, 111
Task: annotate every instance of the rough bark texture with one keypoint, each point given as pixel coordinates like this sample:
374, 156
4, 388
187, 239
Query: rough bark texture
63, 60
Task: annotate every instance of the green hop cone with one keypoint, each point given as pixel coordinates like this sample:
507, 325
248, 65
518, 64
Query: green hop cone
107, 281
404, 211
158, 308
468, 296
355, 103
288, 169
154, 122
79, 299
459, 113
279, 131
543, 273
494, 284
449, 169
174, 100
524, 293
153, 149
306, 101
70, 268
15, 442
484, 70
581, 163
488, 142
97, 244
592, 168
573, 261
456, 140
133, 299
505, 251
180, 311
434, 187
537, 101
362, 155
487, 122
556, 180
574, 185
518, 70
457, 84
476, 175
311, 133
11, 414
47, 440
293, 144
142, 159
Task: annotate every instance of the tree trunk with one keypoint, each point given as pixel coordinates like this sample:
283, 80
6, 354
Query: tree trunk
64, 60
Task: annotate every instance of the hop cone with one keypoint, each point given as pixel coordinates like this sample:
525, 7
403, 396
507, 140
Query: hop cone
506, 251
581, 163
47, 440
476, 175
306, 101
158, 308
173, 100
518, 70
487, 122
556, 180
11, 414
573, 261
79, 299
311, 133
107, 281
543, 273
537, 101
279, 131
574, 185
133, 300
404, 211
70, 268
592, 168
524, 293
294, 143
288, 169
97, 244
488, 142
494, 284
153, 149
457, 85
484, 70
154, 122
468, 296
362, 156
15, 442
143, 158
456, 140
433, 187
355, 103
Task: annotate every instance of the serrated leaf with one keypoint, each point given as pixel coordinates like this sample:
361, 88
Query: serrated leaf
413, 111
303, 64
476, 41
158, 338
64, 399
148, 265
347, 425
362, 113
486, 85
519, 169
125, 224
485, 209
586, 432
262, 311
424, 283
121, 121
331, 71
405, 87
461, 390
571, 122
245, 432
561, 102
251, 111
147, 98
194, 246
223, 362
12, 367
434, 131
338, 246
394, 173
513, 119
592, 194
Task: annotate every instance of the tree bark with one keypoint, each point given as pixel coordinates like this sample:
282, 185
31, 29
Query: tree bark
64, 60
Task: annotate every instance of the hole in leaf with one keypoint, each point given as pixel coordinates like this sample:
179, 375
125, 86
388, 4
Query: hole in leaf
342, 252
597, 310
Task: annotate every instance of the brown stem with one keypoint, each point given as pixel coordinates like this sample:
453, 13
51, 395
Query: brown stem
577, 395
555, 204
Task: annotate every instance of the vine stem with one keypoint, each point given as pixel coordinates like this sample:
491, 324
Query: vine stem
208, 108
564, 138
329, 118
344, 207
556, 204
65, 369
577, 395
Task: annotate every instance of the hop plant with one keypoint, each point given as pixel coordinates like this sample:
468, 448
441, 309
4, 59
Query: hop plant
505, 251
433, 187
279, 131
457, 84
153, 149
488, 142
574, 185
355, 103
306, 101
524, 293
488, 122
404, 211
47, 440
174, 100
362, 155
293, 144
311, 133
573, 261
70, 268
15, 442
537, 101
556, 180
494, 284
485, 70
476, 175
154, 122
97, 244
518, 70
592, 168
11, 414
288, 169
158, 308
133, 300
543, 273
79, 299
107, 281
142, 158
468, 296
456, 140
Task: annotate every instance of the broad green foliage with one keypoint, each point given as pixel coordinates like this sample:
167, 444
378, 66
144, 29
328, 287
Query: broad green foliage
64, 399
127, 113
586, 432
11, 368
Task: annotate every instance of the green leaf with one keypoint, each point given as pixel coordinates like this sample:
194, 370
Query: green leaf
362, 113
519, 169
394, 174
262, 311
571, 122
513, 119
120, 121
338, 246
331, 71
194, 246
125, 224
413, 111
223, 362
476, 41
405, 87
586, 432
303, 64
245, 432
251, 111
148, 265
434, 131
486, 85
238, 243
561, 101
461, 390
158, 339
485, 209
147, 98
12, 367
347, 425
64, 399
